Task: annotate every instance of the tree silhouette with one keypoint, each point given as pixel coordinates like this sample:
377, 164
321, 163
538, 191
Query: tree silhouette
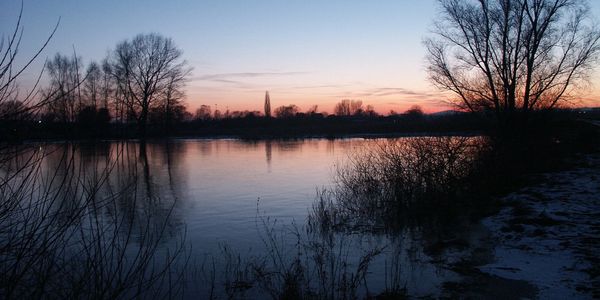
203, 113
147, 68
512, 55
14, 110
65, 80
286, 111
92, 87
348, 107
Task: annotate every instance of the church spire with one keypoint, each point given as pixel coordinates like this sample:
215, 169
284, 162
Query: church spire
267, 105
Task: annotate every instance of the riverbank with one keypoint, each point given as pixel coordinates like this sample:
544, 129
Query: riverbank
549, 233
253, 128
543, 243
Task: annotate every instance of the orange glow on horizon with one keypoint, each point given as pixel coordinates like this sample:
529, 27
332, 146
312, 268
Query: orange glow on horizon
328, 107
254, 101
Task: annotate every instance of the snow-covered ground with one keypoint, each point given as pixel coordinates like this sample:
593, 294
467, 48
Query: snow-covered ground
549, 234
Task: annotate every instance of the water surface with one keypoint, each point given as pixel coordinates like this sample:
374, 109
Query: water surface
215, 192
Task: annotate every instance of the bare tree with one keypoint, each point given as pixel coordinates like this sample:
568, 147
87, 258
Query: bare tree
203, 113
14, 110
63, 90
92, 88
512, 56
107, 85
312, 110
145, 68
348, 107
170, 105
414, 110
217, 115
286, 111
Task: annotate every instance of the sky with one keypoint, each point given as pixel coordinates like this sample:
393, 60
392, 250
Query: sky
304, 52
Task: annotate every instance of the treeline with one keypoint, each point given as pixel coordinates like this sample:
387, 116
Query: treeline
320, 125
344, 108
139, 82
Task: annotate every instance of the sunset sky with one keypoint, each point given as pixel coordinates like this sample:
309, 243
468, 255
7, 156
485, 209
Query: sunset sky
304, 52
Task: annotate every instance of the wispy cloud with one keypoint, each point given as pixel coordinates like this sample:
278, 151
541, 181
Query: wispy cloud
394, 95
229, 77
397, 91
403, 93
323, 86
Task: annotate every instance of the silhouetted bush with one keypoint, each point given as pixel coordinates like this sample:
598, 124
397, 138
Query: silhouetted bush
396, 181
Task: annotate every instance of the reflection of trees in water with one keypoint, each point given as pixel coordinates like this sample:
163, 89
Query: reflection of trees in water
90, 153
205, 147
74, 223
291, 146
344, 145
173, 152
149, 174
269, 153
124, 170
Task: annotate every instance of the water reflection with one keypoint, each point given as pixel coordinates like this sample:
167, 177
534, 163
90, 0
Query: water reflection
81, 220
229, 192
268, 153
143, 180
206, 184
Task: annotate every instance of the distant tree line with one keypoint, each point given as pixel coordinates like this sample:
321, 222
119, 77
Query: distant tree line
344, 108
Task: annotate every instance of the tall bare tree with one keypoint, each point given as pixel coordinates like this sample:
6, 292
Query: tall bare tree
171, 103
65, 80
145, 68
512, 55
92, 86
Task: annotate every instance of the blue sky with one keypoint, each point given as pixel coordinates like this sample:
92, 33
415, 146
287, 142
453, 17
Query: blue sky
304, 52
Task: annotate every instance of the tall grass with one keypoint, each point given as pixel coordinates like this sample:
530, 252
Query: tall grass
297, 263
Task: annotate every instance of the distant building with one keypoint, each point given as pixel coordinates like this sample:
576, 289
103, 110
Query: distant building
267, 105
